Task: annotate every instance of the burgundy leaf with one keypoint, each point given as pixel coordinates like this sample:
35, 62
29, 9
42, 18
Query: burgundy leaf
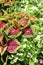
2, 24
28, 31
13, 31
3, 49
13, 46
24, 22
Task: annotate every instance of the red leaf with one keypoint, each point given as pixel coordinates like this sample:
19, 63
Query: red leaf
2, 24
13, 45
3, 49
28, 31
24, 22
13, 31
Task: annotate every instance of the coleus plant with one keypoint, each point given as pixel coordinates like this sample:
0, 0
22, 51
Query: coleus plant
27, 32
6, 31
11, 46
13, 30
3, 1
24, 23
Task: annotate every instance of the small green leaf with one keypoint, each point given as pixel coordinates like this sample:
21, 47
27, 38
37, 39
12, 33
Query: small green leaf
12, 62
31, 62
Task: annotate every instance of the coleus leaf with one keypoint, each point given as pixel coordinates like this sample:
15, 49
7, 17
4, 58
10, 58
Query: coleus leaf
2, 50
2, 24
6, 31
3, 1
16, 24
34, 29
3, 42
13, 46
8, 4
26, 16
22, 15
32, 18
27, 32
24, 23
1, 37
14, 32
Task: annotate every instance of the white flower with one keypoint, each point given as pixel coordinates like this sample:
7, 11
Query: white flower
24, 46
41, 9
38, 44
23, 1
25, 8
27, 2
38, 37
30, 45
42, 52
29, 53
34, 8
35, 0
19, 54
39, 33
41, 28
25, 40
41, 36
39, 4
35, 60
12, 56
35, 51
41, 19
15, 60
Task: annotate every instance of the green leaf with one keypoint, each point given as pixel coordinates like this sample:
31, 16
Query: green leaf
2, 18
31, 62
4, 63
12, 62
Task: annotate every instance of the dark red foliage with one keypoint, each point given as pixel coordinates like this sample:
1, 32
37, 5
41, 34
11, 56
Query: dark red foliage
24, 22
12, 46
12, 43
2, 24
28, 31
13, 31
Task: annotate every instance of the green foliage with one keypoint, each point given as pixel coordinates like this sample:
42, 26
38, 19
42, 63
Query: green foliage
31, 50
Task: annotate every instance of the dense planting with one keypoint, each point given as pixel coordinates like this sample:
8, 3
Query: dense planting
21, 32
